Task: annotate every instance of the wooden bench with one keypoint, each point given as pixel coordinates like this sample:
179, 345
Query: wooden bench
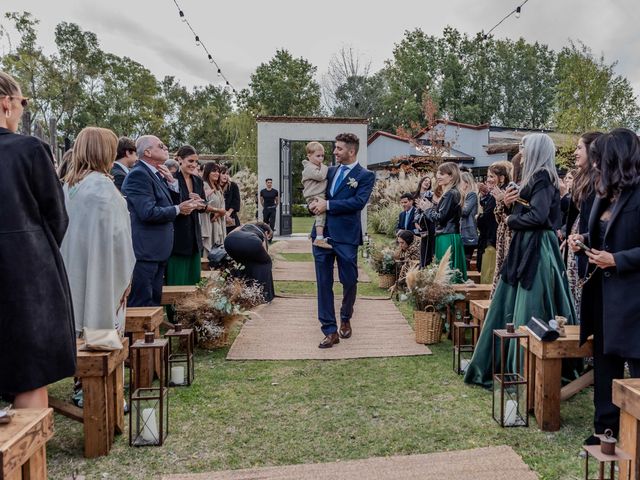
138, 321
626, 395
172, 293
471, 292
23, 453
204, 264
102, 376
543, 366
479, 309
473, 276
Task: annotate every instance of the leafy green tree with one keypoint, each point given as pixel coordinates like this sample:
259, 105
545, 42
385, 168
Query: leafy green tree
242, 135
590, 95
284, 86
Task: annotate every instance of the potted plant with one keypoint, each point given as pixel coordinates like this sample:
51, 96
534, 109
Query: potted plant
431, 291
383, 262
218, 303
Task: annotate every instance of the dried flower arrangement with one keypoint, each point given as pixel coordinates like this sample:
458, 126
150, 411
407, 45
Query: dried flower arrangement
431, 286
216, 306
382, 260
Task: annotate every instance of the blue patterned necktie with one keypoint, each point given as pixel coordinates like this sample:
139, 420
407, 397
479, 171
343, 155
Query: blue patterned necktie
341, 174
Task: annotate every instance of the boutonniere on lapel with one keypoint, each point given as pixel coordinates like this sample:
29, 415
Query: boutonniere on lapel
352, 182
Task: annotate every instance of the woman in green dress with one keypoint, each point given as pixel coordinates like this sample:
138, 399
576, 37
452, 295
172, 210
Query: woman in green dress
446, 217
183, 267
533, 279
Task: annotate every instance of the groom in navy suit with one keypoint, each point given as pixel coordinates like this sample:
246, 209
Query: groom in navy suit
348, 189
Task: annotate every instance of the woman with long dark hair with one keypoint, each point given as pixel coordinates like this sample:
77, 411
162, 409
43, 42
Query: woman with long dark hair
610, 308
532, 281
423, 224
231, 193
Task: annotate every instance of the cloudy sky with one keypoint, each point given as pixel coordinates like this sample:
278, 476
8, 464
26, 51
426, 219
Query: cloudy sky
242, 34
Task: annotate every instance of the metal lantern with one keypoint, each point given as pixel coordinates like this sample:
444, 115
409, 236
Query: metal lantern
149, 406
606, 454
510, 386
465, 337
181, 348
366, 246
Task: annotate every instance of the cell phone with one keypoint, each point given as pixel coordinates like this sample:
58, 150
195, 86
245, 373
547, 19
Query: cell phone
581, 245
513, 185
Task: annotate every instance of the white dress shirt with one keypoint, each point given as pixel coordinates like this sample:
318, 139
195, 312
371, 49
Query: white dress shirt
335, 177
174, 186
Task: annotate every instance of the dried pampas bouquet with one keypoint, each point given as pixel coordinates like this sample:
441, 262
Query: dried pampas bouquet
431, 286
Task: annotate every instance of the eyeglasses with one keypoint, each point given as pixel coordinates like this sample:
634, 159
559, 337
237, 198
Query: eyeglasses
24, 101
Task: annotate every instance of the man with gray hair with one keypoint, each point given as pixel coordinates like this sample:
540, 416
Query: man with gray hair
147, 189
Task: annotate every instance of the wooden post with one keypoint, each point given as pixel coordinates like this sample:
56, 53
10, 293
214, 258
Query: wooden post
547, 393
626, 395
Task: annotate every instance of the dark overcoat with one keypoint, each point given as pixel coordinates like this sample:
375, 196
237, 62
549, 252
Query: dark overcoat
37, 337
620, 285
187, 236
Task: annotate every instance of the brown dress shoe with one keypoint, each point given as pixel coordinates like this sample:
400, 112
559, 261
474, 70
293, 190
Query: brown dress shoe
329, 341
345, 329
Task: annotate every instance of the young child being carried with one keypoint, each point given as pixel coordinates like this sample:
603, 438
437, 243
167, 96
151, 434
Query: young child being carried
314, 179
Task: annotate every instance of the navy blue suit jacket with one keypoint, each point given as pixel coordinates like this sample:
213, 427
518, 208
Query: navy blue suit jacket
403, 216
152, 213
343, 223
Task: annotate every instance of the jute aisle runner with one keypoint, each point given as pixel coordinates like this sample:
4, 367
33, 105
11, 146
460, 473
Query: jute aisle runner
379, 330
491, 463
306, 272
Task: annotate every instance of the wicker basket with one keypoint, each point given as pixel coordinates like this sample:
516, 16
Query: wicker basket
428, 326
386, 280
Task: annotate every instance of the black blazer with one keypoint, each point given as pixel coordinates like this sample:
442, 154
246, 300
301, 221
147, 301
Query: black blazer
187, 236
232, 200
446, 215
487, 223
403, 216
118, 174
619, 285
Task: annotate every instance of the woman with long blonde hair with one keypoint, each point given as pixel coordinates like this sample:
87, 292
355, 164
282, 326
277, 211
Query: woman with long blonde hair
97, 249
446, 217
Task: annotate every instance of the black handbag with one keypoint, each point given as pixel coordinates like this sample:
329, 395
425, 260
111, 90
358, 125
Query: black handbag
541, 330
218, 257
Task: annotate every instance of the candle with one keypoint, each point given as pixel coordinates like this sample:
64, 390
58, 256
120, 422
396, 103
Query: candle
150, 427
511, 413
177, 375
464, 363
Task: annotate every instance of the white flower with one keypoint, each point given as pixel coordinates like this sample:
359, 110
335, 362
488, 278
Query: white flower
352, 182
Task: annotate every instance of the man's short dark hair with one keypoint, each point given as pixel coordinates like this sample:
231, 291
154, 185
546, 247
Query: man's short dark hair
125, 144
268, 180
408, 196
351, 140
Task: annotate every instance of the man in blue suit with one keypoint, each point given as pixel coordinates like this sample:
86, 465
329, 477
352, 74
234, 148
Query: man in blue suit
406, 219
147, 190
348, 189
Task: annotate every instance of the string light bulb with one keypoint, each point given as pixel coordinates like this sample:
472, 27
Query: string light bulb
182, 16
518, 10
197, 40
219, 72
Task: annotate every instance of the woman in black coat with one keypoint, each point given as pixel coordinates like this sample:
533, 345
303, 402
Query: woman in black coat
231, 199
183, 267
37, 338
610, 309
249, 245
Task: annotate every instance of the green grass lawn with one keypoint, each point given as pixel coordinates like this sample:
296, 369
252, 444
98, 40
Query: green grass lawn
302, 224
241, 414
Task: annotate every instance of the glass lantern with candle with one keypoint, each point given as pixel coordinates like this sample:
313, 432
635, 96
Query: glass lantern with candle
149, 405
510, 386
465, 336
181, 348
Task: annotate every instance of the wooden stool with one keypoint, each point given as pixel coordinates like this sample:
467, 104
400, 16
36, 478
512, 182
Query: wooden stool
23, 441
479, 309
626, 395
138, 321
102, 376
172, 293
543, 369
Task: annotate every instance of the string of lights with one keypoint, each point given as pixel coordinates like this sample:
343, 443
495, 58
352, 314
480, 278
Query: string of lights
516, 11
201, 44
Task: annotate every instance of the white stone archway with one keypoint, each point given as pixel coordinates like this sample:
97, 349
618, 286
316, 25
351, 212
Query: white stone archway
275, 135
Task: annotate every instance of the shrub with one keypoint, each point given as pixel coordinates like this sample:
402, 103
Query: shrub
300, 210
384, 219
248, 184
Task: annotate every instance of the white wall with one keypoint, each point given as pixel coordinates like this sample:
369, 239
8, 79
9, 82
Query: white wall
383, 149
270, 133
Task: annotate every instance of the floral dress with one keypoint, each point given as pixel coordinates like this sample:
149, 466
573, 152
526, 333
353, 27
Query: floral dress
408, 258
503, 240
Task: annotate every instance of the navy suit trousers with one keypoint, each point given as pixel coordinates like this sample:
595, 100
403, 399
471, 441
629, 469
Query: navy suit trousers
146, 284
347, 258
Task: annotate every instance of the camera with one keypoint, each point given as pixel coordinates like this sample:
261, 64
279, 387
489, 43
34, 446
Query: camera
513, 185
428, 195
